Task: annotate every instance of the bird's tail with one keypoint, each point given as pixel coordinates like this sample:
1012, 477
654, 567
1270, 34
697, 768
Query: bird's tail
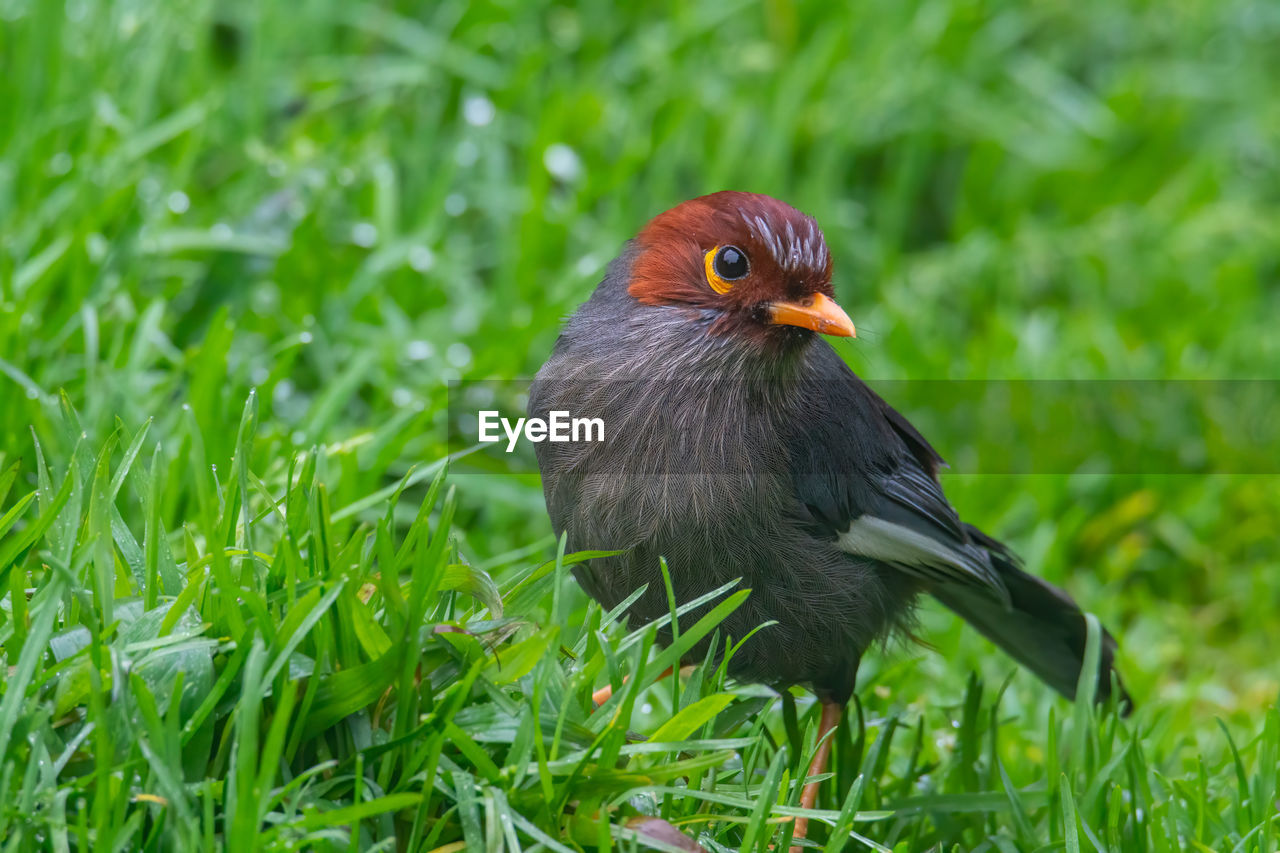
1042, 628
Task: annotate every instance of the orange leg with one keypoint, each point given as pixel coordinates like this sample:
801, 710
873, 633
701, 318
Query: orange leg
831, 715
605, 693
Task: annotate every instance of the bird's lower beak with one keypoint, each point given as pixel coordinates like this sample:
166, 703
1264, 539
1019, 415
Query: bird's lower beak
817, 312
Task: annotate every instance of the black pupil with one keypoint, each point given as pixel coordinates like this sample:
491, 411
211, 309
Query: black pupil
731, 263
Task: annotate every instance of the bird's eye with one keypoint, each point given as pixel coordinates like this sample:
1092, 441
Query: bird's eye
726, 264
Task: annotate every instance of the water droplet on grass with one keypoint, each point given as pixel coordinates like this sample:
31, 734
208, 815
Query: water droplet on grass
466, 319
455, 204
467, 154
562, 162
421, 258
282, 392
566, 29
60, 163
97, 247
364, 234
478, 110
419, 350
179, 202
459, 354
265, 298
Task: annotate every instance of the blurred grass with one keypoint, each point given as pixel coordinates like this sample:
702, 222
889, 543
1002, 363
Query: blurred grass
342, 206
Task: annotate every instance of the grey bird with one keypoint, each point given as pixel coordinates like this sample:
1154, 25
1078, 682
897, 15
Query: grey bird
740, 445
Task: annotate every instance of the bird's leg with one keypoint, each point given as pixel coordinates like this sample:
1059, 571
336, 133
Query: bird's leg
604, 694
832, 712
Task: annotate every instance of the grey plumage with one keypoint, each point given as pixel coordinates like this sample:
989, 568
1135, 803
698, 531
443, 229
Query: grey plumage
778, 466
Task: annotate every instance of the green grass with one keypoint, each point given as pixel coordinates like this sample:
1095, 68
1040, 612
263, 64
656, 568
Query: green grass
244, 247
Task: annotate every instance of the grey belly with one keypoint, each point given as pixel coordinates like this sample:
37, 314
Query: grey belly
826, 607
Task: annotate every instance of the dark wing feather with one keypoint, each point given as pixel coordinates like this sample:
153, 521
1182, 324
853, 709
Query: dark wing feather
869, 479
859, 462
1044, 629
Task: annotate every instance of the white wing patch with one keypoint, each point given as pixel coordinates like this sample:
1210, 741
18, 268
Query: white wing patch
917, 554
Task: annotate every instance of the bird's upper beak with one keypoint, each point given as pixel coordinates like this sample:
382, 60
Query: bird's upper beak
817, 312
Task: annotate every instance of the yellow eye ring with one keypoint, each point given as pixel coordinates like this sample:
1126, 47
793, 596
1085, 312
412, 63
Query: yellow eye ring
725, 265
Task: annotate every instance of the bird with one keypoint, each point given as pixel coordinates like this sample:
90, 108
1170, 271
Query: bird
739, 445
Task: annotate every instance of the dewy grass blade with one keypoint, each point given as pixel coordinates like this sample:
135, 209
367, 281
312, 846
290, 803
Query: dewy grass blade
130, 455
244, 441
44, 612
163, 765
1016, 806
309, 610
15, 512
608, 619
226, 678
7, 478
662, 621
1071, 830
758, 830
467, 797
692, 717
243, 796
346, 814
98, 532
17, 547
273, 744
152, 535
1268, 777
843, 827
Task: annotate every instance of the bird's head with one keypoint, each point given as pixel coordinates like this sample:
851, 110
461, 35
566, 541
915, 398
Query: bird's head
744, 264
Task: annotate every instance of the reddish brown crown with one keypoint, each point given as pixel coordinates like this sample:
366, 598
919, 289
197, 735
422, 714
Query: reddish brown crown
788, 255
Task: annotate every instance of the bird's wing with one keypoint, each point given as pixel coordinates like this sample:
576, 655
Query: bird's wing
869, 479
914, 529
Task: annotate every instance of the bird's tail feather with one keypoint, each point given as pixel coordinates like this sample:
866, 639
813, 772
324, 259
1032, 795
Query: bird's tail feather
1042, 628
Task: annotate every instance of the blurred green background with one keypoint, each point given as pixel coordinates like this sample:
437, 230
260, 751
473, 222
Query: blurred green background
346, 205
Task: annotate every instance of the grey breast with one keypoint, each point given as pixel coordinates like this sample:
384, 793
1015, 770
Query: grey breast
693, 469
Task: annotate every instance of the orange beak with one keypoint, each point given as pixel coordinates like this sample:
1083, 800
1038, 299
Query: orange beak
816, 312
